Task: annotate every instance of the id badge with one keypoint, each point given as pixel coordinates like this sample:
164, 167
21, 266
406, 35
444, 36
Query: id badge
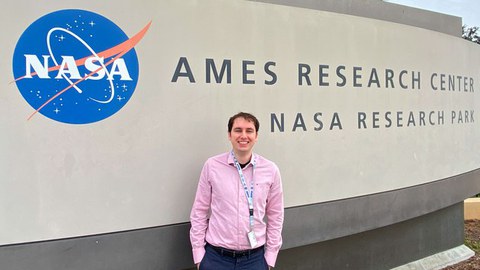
252, 239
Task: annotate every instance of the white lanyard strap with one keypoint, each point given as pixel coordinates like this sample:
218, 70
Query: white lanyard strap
248, 193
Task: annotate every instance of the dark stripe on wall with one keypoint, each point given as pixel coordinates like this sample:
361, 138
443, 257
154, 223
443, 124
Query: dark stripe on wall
320, 222
428, 213
382, 248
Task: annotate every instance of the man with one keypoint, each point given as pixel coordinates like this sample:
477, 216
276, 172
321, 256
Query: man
237, 215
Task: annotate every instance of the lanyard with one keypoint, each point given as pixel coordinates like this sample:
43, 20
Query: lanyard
248, 194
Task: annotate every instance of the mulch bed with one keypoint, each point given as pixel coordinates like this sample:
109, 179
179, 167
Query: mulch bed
472, 240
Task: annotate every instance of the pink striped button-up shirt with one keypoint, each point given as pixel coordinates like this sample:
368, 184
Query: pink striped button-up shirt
220, 214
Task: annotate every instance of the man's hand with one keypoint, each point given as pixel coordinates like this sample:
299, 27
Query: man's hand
198, 266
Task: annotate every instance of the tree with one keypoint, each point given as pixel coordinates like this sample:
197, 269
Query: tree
471, 33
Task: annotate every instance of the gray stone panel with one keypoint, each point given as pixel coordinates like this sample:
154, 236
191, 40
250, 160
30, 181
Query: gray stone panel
147, 249
383, 248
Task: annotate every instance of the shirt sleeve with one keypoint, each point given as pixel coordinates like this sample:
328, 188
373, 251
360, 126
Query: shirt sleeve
199, 215
275, 215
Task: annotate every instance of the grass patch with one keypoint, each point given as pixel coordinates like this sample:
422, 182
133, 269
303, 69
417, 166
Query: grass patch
472, 234
473, 245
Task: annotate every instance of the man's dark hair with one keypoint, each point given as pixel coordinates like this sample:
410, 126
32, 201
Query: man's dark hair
247, 116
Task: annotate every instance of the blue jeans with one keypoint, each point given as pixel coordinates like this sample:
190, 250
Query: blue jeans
215, 261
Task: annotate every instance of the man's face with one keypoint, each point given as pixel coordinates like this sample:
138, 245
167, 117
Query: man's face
243, 136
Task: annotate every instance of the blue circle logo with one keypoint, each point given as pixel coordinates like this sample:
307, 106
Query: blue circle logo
76, 66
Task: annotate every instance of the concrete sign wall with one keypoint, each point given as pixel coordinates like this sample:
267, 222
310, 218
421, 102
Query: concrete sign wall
108, 113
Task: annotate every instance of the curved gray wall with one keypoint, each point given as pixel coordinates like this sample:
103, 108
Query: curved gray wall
379, 231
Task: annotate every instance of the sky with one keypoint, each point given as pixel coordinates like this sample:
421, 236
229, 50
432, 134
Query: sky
469, 10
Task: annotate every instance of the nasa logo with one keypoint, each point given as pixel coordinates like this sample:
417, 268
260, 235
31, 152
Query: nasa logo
76, 66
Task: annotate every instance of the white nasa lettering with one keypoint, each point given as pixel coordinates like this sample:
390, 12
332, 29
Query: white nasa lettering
90, 65
32, 61
122, 70
68, 68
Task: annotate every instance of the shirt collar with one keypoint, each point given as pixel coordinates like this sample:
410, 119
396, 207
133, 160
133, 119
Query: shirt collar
230, 159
